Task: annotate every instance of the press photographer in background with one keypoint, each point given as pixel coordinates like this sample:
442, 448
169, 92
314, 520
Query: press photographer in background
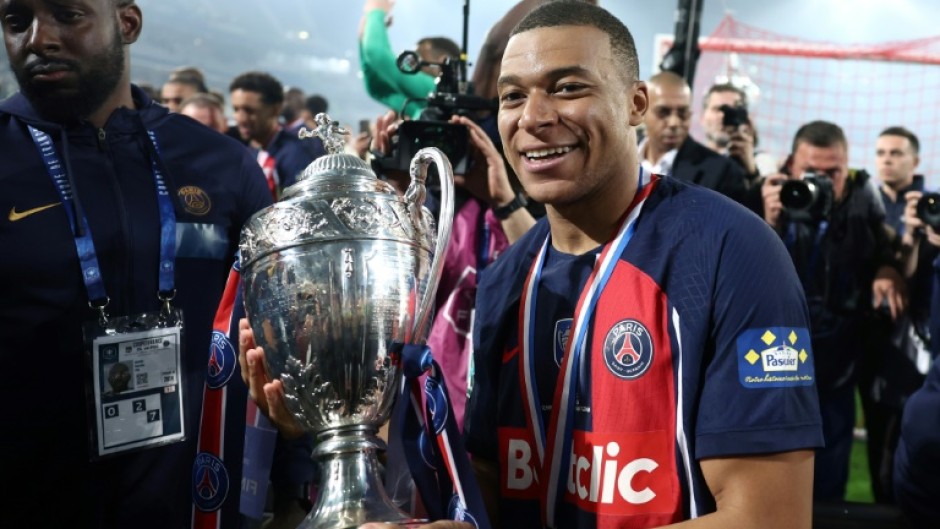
729, 130
896, 357
832, 223
917, 457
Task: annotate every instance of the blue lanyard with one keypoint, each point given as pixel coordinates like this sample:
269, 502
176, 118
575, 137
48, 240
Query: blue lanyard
85, 246
559, 444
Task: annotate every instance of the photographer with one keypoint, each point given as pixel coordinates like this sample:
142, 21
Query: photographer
917, 457
896, 355
729, 130
832, 223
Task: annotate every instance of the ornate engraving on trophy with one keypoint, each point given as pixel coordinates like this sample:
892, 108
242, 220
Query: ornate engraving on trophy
286, 223
359, 216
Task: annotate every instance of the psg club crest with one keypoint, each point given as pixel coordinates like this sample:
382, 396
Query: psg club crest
222, 360
628, 350
210, 482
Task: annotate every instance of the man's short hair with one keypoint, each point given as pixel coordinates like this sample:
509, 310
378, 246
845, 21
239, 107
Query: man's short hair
270, 89
189, 76
442, 45
668, 78
203, 100
820, 134
576, 13
316, 104
904, 133
722, 88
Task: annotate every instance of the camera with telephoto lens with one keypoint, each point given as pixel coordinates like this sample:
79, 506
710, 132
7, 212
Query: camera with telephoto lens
733, 116
433, 129
928, 210
809, 198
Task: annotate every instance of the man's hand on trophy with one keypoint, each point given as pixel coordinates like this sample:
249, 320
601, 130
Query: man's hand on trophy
268, 394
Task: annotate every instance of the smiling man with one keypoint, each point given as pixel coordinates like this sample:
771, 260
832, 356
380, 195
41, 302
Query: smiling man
628, 371
257, 100
112, 207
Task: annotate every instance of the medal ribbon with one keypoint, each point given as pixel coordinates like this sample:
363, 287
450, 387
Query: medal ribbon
556, 441
84, 245
434, 450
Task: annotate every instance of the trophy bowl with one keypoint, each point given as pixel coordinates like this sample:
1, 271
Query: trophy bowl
335, 275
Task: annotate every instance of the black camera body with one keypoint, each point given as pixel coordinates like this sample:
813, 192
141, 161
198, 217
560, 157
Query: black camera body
928, 210
808, 199
434, 129
733, 116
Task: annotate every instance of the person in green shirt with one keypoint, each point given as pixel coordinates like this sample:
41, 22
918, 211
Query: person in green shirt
385, 83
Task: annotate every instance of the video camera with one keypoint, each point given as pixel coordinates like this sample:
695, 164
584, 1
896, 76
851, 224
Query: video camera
928, 210
808, 199
733, 116
450, 97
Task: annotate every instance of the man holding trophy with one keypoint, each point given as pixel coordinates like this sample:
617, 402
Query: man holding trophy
642, 354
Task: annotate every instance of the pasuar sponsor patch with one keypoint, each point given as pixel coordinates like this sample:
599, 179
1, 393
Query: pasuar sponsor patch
775, 357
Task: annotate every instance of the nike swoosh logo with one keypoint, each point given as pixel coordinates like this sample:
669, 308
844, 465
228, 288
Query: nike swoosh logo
20, 215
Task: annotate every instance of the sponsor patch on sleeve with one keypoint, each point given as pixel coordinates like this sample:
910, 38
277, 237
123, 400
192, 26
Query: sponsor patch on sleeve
775, 357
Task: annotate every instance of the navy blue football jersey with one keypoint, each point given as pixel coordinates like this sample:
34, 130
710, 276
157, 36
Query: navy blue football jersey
698, 348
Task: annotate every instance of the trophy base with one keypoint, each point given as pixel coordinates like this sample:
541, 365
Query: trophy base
350, 489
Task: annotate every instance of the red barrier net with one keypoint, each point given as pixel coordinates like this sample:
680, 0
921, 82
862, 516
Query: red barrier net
862, 87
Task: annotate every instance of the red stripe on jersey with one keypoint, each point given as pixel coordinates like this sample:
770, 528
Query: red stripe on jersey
634, 404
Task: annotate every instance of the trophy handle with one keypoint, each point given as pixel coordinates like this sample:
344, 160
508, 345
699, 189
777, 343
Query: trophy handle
415, 196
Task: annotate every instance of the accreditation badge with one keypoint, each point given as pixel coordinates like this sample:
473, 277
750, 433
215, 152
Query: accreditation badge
136, 382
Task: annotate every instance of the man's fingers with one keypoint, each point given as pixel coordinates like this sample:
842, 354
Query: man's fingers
246, 341
278, 413
257, 377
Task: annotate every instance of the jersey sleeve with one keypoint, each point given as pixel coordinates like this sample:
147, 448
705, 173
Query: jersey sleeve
758, 394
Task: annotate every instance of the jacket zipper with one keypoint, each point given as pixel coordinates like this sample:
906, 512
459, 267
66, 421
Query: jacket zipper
126, 253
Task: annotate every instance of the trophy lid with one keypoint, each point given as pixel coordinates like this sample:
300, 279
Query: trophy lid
337, 170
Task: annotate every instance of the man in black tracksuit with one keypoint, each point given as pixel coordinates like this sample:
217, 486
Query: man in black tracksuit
72, 63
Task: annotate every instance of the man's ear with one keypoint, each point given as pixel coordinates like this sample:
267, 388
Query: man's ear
130, 22
640, 97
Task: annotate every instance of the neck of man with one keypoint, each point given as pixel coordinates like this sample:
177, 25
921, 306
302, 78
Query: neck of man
580, 227
654, 152
893, 188
265, 139
712, 144
121, 97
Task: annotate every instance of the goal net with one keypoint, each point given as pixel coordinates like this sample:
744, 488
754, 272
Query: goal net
864, 88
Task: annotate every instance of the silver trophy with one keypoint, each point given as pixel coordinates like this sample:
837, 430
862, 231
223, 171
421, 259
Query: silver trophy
334, 274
